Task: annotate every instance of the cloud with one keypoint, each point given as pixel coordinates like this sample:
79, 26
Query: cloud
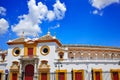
2, 11
98, 12
101, 4
3, 26
50, 15
56, 26
30, 23
59, 9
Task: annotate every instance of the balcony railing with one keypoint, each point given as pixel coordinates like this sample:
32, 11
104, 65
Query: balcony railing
28, 57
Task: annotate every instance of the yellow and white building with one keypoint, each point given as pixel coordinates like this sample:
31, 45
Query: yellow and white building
45, 58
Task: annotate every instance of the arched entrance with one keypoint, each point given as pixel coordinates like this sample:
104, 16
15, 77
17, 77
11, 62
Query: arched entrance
29, 72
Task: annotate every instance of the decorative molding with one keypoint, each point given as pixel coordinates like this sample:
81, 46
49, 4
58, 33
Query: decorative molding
13, 51
42, 50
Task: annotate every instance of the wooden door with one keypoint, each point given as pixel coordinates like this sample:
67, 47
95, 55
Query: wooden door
78, 75
43, 76
29, 72
61, 76
14, 76
0, 76
115, 76
97, 75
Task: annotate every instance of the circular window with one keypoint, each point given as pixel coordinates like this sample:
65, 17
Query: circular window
44, 50
16, 51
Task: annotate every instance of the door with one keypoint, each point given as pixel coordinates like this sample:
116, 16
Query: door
78, 75
61, 76
43, 76
115, 76
29, 72
30, 51
97, 75
14, 76
0, 76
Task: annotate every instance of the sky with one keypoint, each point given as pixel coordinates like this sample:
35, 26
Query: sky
85, 22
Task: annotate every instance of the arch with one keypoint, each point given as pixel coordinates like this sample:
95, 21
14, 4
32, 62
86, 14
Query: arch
61, 55
29, 72
70, 55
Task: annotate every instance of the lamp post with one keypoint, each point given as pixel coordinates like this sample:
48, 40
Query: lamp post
22, 78
6, 74
58, 64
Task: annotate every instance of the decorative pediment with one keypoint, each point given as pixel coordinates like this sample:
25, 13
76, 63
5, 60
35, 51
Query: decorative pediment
30, 42
15, 66
44, 67
46, 37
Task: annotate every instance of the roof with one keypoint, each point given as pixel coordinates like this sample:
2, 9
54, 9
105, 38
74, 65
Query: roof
3, 52
45, 38
91, 47
16, 41
96, 46
48, 38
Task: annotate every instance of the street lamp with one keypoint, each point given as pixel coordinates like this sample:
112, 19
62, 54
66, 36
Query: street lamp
22, 78
58, 64
6, 74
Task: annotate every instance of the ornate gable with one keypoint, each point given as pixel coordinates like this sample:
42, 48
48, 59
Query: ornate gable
46, 37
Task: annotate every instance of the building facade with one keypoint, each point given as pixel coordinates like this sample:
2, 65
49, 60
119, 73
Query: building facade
45, 58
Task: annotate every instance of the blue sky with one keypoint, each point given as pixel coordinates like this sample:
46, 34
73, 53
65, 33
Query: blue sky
89, 22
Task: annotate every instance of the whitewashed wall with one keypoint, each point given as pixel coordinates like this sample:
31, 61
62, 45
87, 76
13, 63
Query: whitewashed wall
51, 56
10, 58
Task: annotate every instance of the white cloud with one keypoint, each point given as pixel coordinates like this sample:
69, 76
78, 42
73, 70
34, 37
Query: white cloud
56, 26
97, 12
2, 11
101, 4
59, 9
3, 26
29, 23
50, 15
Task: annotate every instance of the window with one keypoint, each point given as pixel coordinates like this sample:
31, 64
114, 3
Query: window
61, 54
16, 51
30, 51
61, 74
44, 50
97, 74
78, 74
70, 55
115, 74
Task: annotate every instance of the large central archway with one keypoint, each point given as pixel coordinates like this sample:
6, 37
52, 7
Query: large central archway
29, 72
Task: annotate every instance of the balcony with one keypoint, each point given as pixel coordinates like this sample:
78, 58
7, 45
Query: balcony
30, 57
